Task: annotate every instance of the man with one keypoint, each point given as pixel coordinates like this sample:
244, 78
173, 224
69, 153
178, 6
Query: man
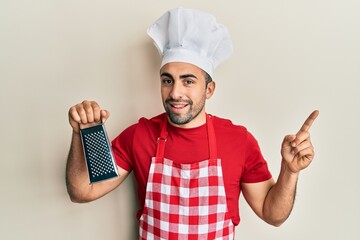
190, 167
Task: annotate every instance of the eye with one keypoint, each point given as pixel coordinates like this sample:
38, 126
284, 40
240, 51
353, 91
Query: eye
166, 81
189, 82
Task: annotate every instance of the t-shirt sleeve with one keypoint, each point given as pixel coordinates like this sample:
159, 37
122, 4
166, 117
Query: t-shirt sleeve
256, 168
122, 148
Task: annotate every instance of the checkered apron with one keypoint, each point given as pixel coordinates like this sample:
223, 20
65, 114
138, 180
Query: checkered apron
185, 201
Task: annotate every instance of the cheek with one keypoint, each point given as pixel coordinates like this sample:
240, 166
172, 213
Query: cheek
197, 97
164, 93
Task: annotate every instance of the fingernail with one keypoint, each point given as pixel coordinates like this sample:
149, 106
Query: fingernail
293, 144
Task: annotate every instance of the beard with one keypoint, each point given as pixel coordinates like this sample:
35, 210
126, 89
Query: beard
181, 119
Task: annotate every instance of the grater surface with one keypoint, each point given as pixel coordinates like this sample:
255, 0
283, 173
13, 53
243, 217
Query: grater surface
99, 158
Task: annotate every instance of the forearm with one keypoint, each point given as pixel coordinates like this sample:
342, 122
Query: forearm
77, 177
280, 199
77, 180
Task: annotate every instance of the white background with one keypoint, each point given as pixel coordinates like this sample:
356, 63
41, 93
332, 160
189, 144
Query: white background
290, 58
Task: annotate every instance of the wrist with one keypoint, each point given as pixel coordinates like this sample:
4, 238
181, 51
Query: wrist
285, 169
76, 132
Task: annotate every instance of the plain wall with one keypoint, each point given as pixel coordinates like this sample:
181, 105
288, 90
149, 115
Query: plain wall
290, 58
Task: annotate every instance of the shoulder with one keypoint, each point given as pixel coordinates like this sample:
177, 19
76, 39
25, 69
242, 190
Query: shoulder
142, 125
150, 123
146, 126
226, 127
156, 120
226, 124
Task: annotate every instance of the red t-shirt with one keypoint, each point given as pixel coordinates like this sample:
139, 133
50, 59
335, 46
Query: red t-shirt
241, 159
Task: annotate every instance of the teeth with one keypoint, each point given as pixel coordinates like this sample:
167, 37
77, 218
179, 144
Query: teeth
178, 106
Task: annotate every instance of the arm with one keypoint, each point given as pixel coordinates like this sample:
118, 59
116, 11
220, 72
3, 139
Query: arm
272, 201
77, 179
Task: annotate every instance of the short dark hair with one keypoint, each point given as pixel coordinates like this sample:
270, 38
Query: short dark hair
208, 78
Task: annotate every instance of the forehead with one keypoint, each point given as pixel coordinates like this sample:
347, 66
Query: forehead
180, 68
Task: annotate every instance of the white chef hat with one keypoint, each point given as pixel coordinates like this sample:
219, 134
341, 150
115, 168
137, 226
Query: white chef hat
191, 36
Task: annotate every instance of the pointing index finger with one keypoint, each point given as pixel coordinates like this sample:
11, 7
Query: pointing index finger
309, 121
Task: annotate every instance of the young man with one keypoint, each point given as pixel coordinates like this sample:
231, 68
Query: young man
190, 167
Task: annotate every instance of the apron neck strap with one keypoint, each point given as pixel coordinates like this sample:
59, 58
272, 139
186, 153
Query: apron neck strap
163, 138
211, 137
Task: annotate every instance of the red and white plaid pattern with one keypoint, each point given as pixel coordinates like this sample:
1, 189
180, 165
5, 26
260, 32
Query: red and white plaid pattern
185, 201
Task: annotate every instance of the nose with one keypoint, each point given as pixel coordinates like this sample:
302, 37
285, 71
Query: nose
177, 90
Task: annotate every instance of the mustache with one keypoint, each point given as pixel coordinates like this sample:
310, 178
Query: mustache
172, 100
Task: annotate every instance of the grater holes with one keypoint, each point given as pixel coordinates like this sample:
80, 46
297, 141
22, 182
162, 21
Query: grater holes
98, 154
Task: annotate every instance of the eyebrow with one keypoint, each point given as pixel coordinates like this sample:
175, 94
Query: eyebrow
188, 75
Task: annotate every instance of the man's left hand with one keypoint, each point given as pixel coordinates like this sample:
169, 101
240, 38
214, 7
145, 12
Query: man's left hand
297, 150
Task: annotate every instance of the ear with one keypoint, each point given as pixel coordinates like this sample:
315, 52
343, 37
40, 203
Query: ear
210, 89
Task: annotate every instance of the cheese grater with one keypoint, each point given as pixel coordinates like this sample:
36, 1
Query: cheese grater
98, 155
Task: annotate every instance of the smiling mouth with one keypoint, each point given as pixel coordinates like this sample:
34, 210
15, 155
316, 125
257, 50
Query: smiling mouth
178, 105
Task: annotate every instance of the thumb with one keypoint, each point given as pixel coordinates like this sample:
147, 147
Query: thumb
105, 114
288, 141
